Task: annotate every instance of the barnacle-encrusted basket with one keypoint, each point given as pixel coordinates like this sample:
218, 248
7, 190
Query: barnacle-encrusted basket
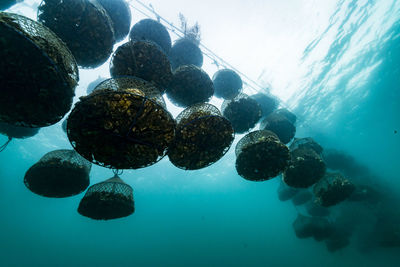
190, 85
142, 59
332, 189
5, 4
121, 129
280, 125
13, 131
242, 111
260, 156
306, 167
59, 173
289, 115
306, 142
120, 14
111, 199
151, 30
202, 137
267, 102
185, 51
38, 74
83, 25
227, 84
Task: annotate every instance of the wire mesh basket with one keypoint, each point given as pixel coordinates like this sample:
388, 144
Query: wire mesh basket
120, 15
13, 131
38, 74
185, 52
289, 115
59, 173
280, 125
332, 189
227, 84
267, 102
306, 142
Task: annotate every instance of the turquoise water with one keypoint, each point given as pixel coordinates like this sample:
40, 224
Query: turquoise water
346, 93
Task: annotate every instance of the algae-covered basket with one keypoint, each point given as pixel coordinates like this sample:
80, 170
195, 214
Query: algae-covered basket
260, 156
85, 27
202, 137
38, 74
332, 189
111, 199
59, 173
280, 125
120, 15
127, 128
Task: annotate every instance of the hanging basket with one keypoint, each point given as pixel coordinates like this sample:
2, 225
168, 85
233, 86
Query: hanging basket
302, 197
305, 168
120, 15
316, 210
17, 131
333, 189
142, 59
185, 52
202, 137
268, 103
286, 192
190, 85
280, 125
242, 111
317, 227
306, 143
120, 129
289, 115
59, 173
260, 156
227, 84
83, 25
151, 30
38, 74
111, 199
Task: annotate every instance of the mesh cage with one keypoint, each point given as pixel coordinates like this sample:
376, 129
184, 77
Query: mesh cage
38, 74
83, 25
267, 102
306, 168
120, 129
332, 189
133, 83
202, 137
151, 30
59, 173
190, 85
306, 142
120, 14
260, 156
185, 52
289, 115
227, 84
142, 59
280, 125
242, 111
107, 200
17, 131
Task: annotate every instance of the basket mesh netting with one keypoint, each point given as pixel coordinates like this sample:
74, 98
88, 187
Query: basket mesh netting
306, 142
190, 85
120, 129
142, 59
5, 4
280, 125
120, 15
185, 52
135, 85
83, 25
289, 115
38, 74
151, 30
59, 173
202, 137
227, 84
267, 102
260, 156
107, 200
242, 111
306, 168
332, 189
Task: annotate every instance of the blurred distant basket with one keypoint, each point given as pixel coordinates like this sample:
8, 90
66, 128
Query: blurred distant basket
190, 85
306, 168
316, 210
332, 189
302, 197
5, 4
260, 156
202, 137
120, 14
317, 227
185, 52
306, 142
13, 131
289, 115
280, 125
83, 25
107, 200
268, 103
59, 173
120, 129
227, 84
142, 59
151, 30
286, 192
38, 74
242, 111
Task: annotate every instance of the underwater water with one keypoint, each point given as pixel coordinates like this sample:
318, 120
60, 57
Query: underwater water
335, 64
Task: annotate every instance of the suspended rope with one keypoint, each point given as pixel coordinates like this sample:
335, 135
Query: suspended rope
6, 144
117, 172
